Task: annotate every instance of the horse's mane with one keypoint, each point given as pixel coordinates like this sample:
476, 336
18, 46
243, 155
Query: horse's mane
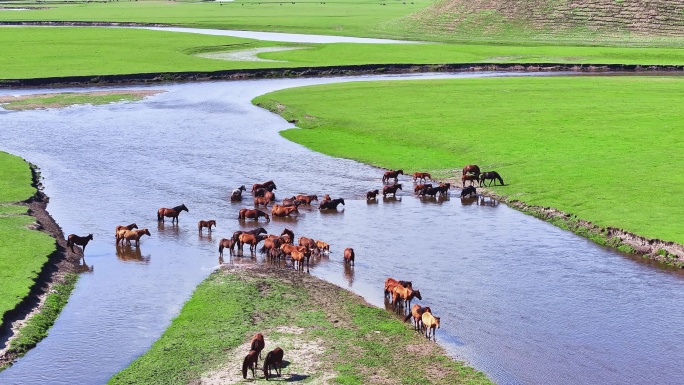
179, 208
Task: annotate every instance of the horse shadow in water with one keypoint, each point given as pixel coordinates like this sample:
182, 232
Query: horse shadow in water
434, 200
487, 201
127, 253
349, 273
84, 268
287, 219
166, 231
203, 237
468, 201
391, 200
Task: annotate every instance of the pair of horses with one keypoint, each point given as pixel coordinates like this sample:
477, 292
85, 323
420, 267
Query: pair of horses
442, 189
172, 213
131, 235
401, 291
235, 239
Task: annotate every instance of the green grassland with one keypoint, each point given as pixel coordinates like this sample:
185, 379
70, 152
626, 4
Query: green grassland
355, 343
607, 149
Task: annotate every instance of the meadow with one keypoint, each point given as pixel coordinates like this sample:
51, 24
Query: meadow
607, 149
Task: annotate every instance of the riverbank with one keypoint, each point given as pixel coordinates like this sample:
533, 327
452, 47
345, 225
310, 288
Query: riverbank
328, 335
51, 283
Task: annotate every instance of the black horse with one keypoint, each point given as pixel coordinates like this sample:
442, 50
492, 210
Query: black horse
468, 191
492, 176
331, 204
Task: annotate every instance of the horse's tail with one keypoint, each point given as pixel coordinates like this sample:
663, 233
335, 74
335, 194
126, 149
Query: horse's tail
408, 317
262, 250
159, 216
245, 364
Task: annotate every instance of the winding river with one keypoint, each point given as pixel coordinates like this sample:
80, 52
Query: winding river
519, 299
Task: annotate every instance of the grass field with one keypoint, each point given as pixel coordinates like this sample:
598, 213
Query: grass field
328, 334
23, 252
608, 149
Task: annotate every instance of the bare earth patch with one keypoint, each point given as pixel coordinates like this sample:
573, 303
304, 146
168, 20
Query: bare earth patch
61, 100
247, 54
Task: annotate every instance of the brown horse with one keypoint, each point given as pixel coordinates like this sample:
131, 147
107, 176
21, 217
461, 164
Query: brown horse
269, 185
202, 224
418, 187
282, 211
223, 243
271, 243
471, 178
253, 214
264, 201
417, 314
122, 227
331, 204
74, 239
493, 176
400, 293
236, 195
173, 213
289, 202
298, 257
472, 169
425, 176
130, 235
391, 190
444, 188
392, 174
390, 283
309, 243
326, 197
258, 343
307, 199
324, 247
274, 359
372, 194
257, 231
288, 248
251, 240
290, 235
429, 323
251, 361
349, 256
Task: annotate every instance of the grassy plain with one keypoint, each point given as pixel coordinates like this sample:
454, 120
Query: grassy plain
608, 149
327, 333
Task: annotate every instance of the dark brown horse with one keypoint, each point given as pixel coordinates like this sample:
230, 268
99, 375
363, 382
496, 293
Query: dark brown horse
392, 174
253, 214
471, 178
269, 185
74, 239
251, 361
391, 190
202, 224
418, 187
468, 191
349, 256
425, 176
372, 194
173, 213
429, 191
226, 243
471, 169
258, 343
274, 359
331, 204
236, 195
282, 211
307, 199
492, 176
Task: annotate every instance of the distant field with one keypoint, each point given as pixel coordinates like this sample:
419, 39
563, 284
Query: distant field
608, 149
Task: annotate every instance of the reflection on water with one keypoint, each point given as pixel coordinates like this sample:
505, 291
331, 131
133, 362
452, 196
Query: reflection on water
518, 298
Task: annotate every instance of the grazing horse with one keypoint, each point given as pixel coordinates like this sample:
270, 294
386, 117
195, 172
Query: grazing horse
282, 211
493, 176
425, 176
251, 240
264, 201
372, 194
471, 178
307, 199
417, 314
269, 185
173, 213
418, 187
324, 247
392, 174
229, 243
274, 359
251, 361
429, 324
349, 256
472, 169
74, 239
253, 214
129, 235
290, 235
391, 190
236, 195
129, 227
468, 191
202, 224
331, 204
258, 343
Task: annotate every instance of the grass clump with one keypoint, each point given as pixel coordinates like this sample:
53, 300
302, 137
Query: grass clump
62, 100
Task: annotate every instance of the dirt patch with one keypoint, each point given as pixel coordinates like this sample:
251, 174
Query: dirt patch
38, 104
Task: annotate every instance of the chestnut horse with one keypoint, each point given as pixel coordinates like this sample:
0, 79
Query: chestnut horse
417, 314
444, 188
271, 243
391, 190
493, 176
468, 191
74, 239
425, 176
274, 359
173, 213
258, 343
129, 235
429, 324
331, 204
392, 174
288, 202
418, 187
282, 211
471, 178
298, 257
372, 194
471, 168
251, 361
229, 243
309, 243
253, 214
236, 195
404, 294
269, 185
264, 201
251, 240
324, 247
390, 283
254, 232
307, 199
349, 256
129, 227
202, 224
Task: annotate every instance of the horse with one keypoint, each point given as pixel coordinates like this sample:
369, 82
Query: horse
264, 201
255, 232
289, 248
331, 204
129, 235
251, 361
270, 244
274, 359
122, 227
289, 233
269, 185
251, 240
444, 188
282, 211
349, 256
372, 194
253, 214
202, 224
429, 323
74, 239
392, 174
326, 197
236, 195
173, 213
417, 314
307, 199
298, 256
425, 176
287, 202
418, 187
431, 191
324, 247
257, 343
390, 283
223, 243
492, 176
471, 178
270, 195
309, 243
391, 190
468, 191
405, 294
471, 168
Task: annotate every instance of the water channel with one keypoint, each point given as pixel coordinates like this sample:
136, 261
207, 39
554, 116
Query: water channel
519, 299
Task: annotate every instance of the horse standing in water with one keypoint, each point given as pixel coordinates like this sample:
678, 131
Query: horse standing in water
349, 256
172, 213
269, 185
122, 227
331, 204
253, 214
274, 359
372, 194
392, 174
202, 224
236, 195
74, 239
424, 176
391, 190
468, 191
493, 176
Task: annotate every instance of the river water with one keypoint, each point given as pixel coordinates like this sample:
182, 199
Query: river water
519, 299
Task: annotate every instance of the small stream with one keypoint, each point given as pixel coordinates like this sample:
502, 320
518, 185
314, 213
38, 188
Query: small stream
519, 299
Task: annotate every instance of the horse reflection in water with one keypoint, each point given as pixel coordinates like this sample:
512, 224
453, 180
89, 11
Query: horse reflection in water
127, 253
84, 268
349, 273
487, 201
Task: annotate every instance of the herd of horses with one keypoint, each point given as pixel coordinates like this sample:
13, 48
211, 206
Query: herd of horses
401, 293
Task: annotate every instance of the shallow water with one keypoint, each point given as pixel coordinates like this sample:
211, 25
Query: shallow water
519, 299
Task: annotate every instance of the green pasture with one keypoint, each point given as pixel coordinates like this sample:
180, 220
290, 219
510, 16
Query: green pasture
607, 149
23, 252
